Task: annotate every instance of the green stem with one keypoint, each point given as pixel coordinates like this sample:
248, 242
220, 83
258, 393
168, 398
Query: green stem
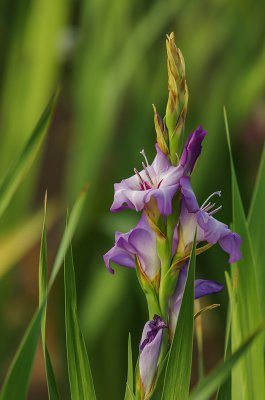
152, 303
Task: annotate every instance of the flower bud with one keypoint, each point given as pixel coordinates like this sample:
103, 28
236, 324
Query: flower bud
177, 97
161, 132
150, 347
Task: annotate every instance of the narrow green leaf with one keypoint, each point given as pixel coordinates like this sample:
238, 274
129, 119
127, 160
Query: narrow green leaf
178, 370
16, 383
248, 377
50, 376
130, 395
224, 391
20, 167
68, 234
256, 223
80, 377
129, 382
208, 385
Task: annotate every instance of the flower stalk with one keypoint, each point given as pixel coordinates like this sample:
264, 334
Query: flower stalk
159, 246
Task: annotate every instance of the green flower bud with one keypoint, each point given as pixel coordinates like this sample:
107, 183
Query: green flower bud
161, 132
177, 98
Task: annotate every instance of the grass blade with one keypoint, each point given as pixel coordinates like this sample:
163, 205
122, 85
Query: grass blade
208, 385
129, 383
18, 170
256, 223
51, 382
248, 378
68, 234
17, 380
80, 377
177, 378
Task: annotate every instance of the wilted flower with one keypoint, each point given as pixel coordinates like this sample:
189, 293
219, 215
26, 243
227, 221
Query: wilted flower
209, 229
140, 242
149, 348
201, 288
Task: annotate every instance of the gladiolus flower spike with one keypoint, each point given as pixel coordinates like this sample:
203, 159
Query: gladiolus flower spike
162, 191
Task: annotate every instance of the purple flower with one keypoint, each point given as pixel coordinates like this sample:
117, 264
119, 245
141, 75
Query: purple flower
160, 180
150, 347
209, 229
201, 288
192, 150
140, 242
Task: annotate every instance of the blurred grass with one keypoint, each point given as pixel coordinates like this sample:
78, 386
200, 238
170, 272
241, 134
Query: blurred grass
110, 58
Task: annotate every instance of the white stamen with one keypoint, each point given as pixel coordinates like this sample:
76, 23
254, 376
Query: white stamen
143, 154
147, 174
211, 195
208, 207
215, 211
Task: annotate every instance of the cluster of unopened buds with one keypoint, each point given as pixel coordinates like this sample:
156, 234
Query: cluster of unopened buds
159, 246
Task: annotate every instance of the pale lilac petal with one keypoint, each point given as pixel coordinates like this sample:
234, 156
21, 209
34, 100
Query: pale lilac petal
171, 176
209, 229
150, 347
215, 231
192, 149
161, 163
231, 244
139, 241
189, 197
189, 223
162, 183
125, 197
163, 196
144, 244
120, 257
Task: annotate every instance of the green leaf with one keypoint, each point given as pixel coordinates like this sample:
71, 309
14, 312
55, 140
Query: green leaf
16, 383
129, 383
68, 234
20, 167
178, 370
248, 377
80, 377
50, 376
208, 385
256, 223
224, 391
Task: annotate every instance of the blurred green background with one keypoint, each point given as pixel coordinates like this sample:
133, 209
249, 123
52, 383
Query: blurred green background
109, 59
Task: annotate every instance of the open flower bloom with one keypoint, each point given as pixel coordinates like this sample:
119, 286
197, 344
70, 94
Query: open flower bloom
209, 229
159, 180
140, 242
150, 347
201, 288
